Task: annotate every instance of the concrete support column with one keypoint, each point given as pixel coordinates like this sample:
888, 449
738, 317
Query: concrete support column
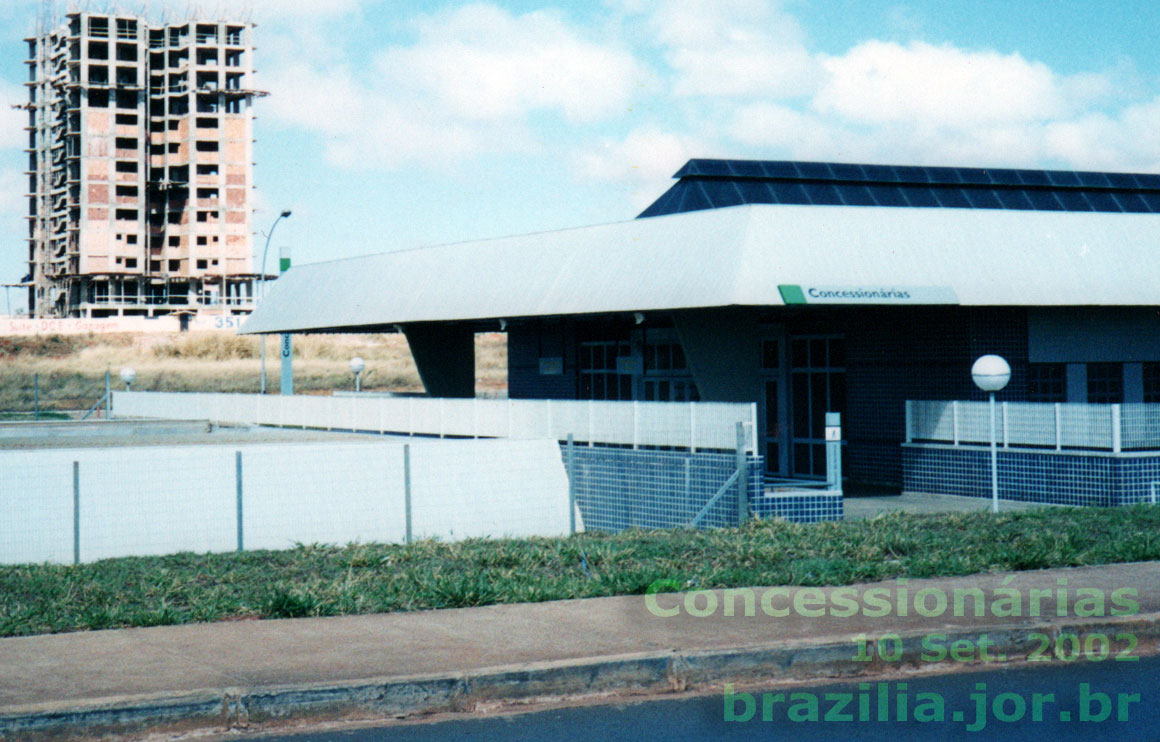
722, 346
445, 356
1076, 382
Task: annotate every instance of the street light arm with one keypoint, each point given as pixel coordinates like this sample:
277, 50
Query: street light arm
269, 236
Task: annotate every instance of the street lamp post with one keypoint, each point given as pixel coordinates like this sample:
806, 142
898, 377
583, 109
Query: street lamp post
991, 373
356, 366
262, 287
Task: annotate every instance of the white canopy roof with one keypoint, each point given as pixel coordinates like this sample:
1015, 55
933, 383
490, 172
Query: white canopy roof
736, 256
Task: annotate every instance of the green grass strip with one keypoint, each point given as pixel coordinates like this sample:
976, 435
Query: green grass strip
369, 578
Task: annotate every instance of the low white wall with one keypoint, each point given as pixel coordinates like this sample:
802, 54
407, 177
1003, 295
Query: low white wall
161, 500
694, 425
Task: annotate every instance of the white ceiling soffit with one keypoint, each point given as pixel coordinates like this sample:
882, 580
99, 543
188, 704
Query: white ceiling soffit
734, 256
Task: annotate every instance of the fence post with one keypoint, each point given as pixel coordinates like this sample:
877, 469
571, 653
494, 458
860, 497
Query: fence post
238, 475
909, 420
571, 458
108, 396
635, 425
742, 477
955, 422
76, 512
407, 486
1058, 428
753, 425
591, 426
692, 427
687, 511
1005, 436
1117, 440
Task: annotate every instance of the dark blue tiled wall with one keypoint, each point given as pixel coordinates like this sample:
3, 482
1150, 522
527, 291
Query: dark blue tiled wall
800, 508
620, 488
1031, 476
524, 378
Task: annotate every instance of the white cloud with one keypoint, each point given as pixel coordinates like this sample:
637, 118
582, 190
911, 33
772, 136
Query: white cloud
468, 85
1129, 140
878, 82
742, 80
646, 158
733, 48
918, 103
482, 62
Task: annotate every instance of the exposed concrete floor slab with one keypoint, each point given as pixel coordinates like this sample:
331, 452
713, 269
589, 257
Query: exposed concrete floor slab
863, 507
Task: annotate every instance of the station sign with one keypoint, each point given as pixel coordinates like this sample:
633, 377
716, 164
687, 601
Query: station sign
866, 294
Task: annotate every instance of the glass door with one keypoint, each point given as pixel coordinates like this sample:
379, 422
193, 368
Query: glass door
772, 406
818, 377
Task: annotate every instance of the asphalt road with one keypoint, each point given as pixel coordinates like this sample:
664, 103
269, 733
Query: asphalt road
1078, 700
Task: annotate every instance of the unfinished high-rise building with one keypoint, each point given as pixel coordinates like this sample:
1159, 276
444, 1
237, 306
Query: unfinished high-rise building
140, 167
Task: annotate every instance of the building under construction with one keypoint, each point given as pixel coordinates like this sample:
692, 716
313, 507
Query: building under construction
140, 167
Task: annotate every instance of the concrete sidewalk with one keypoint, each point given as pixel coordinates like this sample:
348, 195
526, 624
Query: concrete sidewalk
246, 671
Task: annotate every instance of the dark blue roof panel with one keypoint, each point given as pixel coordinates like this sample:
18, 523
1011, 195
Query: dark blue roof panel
712, 184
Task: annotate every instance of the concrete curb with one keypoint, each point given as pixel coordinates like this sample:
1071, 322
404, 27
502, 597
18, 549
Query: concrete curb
657, 671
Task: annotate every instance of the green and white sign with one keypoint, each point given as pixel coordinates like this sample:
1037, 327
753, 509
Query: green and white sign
867, 294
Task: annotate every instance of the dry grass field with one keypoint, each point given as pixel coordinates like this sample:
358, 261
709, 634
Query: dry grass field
72, 368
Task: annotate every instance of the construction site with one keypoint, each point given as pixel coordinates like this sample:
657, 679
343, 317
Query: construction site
140, 166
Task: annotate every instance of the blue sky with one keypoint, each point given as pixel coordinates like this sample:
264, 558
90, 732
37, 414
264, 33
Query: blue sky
394, 124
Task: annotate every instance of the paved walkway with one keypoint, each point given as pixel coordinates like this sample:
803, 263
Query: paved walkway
53, 672
863, 507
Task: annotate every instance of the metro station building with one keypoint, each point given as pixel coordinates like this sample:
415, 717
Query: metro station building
803, 287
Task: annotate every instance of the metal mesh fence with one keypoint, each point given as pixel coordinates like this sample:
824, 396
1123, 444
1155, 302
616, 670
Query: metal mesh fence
621, 488
1036, 424
1141, 426
62, 505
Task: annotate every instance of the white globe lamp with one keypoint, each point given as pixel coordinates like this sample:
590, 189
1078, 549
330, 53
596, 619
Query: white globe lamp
991, 373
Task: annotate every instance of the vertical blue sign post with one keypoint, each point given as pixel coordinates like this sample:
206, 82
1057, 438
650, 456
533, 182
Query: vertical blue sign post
834, 451
286, 347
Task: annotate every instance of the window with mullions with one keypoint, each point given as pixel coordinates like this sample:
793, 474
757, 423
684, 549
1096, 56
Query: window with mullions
1105, 383
600, 377
1046, 382
666, 372
818, 386
1152, 382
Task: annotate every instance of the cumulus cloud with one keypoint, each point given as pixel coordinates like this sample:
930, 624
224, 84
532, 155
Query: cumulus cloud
468, 84
482, 62
879, 83
1129, 140
645, 159
732, 48
740, 78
